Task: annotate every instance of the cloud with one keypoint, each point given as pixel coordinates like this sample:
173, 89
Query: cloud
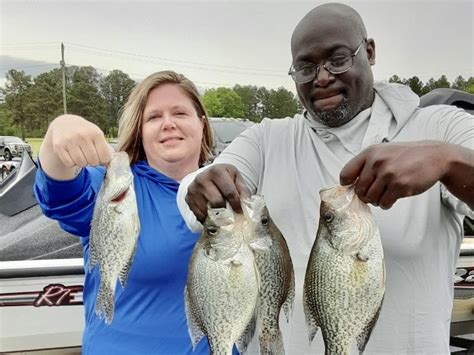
29, 66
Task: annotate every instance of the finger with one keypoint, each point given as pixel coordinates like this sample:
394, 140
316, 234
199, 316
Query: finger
364, 183
350, 172
196, 206
104, 150
65, 158
225, 182
375, 192
77, 156
90, 153
213, 196
389, 197
204, 189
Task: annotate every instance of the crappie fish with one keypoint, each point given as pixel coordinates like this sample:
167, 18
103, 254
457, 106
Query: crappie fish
345, 278
277, 289
223, 282
114, 232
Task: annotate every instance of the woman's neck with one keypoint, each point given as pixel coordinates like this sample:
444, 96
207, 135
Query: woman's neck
173, 170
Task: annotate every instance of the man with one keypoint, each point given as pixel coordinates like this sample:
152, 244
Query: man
373, 135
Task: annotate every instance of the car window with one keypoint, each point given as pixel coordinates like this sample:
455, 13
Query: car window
228, 130
13, 140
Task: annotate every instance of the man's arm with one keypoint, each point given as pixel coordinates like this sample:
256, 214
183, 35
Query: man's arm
459, 175
233, 175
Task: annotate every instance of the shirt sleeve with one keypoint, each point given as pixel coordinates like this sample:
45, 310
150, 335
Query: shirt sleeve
456, 126
70, 202
244, 153
189, 218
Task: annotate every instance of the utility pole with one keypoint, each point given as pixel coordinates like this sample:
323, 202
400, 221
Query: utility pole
63, 67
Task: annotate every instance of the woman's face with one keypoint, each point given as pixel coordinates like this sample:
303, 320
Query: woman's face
171, 131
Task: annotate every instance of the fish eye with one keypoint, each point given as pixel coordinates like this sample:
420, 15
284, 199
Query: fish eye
264, 220
328, 216
212, 230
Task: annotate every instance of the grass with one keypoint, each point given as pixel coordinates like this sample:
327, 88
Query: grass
35, 144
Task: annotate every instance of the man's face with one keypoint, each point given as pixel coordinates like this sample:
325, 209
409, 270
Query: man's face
334, 99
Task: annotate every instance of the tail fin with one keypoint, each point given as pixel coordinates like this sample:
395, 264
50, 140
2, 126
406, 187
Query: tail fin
104, 306
271, 342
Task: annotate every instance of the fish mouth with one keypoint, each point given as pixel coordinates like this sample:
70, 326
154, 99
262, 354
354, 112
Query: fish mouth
120, 196
221, 217
338, 196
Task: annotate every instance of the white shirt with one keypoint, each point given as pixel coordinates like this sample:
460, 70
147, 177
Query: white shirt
289, 160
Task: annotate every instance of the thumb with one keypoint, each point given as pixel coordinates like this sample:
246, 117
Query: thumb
351, 171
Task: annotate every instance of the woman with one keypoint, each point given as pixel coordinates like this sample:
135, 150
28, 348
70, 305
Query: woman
165, 131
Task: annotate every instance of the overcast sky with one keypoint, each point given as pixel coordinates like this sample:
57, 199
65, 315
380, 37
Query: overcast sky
221, 43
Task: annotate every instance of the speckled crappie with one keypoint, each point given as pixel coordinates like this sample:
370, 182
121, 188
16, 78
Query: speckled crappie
277, 289
345, 277
223, 282
114, 232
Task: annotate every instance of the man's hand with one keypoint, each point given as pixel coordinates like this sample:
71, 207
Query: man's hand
383, 173
216, 185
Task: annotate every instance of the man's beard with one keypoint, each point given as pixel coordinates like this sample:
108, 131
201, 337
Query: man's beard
335, 117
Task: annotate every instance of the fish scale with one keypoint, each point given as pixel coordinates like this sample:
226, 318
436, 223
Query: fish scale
277, 289
114, 232
345, 277
223, 283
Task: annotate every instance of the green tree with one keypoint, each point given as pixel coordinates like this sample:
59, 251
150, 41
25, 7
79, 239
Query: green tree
248, 95
264, 104
6, 123
395, 79
16, 92
223, 102
459, 83
442, 82
46, 100
469, 85
415, 84
429, 85
282, 103
116, 88
84, 97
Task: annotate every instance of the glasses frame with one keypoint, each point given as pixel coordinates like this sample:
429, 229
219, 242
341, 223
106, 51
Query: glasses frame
292, 71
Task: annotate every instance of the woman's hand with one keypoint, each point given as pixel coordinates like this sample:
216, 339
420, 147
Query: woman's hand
71, 142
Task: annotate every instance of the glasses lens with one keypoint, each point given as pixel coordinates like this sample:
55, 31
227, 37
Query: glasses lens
304, 74
339, 64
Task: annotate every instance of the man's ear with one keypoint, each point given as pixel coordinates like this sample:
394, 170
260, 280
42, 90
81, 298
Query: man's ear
371, 51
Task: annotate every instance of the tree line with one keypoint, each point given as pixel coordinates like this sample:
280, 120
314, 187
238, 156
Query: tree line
420, 88
31, 103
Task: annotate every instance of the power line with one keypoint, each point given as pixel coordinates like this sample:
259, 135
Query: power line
194, 65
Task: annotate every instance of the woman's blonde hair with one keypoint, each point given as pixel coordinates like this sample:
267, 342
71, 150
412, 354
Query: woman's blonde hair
130, 124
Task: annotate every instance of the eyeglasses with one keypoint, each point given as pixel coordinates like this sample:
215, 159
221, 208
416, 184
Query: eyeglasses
337, 64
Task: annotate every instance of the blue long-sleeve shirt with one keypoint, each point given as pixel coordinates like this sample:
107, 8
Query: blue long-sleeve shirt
149, 313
